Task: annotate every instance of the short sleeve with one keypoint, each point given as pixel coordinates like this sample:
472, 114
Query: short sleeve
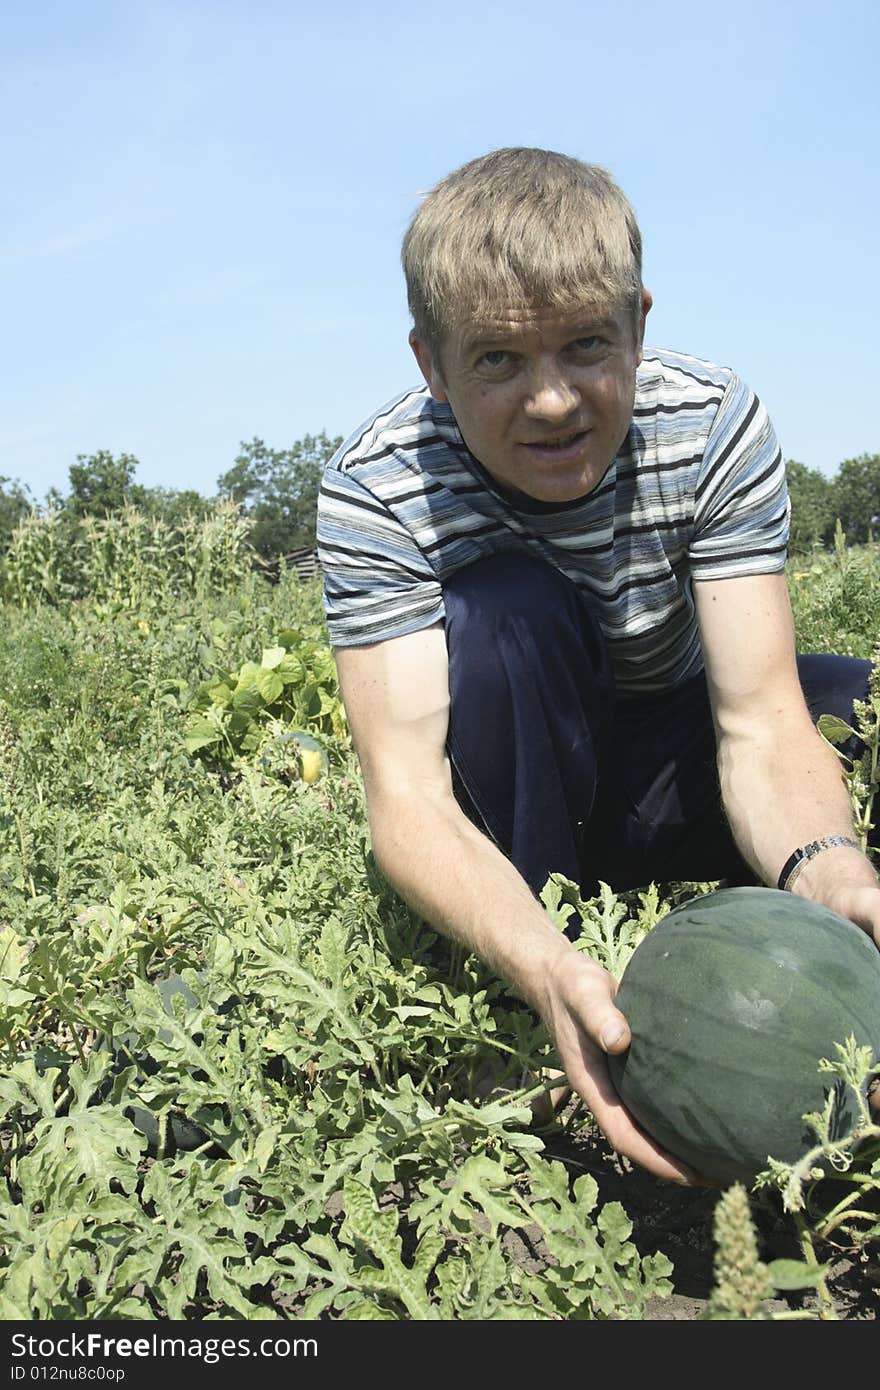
742, 510
377, 582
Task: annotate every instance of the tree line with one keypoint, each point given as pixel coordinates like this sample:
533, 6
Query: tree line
852, 497
278, 490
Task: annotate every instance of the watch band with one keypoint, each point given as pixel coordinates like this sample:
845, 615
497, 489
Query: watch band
795, 862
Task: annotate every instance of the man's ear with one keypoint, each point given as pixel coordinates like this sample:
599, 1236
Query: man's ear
647, 302
428, 366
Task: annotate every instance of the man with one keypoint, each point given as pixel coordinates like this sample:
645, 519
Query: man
554, 583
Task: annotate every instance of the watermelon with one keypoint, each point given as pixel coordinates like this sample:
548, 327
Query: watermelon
732, 1000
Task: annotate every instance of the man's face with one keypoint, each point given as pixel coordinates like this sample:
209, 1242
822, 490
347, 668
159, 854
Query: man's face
543, 400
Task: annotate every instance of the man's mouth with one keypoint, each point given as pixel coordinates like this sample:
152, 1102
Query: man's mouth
558, 444
562, 442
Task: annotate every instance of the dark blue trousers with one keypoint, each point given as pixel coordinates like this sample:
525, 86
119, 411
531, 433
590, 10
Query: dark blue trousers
558, 771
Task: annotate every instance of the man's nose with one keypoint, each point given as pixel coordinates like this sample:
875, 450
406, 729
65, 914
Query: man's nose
550, 395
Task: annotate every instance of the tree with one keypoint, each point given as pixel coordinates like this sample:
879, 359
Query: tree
173, 506
812, 506
856, 492
278, 488
101, 484
15, 503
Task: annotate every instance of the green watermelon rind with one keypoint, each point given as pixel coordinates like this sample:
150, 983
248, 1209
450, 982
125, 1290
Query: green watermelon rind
732, 1000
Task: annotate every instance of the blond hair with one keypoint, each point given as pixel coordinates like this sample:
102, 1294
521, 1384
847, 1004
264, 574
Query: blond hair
516, 228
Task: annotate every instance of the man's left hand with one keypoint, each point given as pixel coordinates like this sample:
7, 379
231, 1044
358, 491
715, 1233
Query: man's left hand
860, 903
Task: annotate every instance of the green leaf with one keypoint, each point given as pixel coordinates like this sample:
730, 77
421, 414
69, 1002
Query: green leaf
272, 657
88, 1151
29, 1089
264, 1148
368, 1311
270, 686
14, 992
291, 670
480, 1184
835, 730
377, 1231
248, 674
794, 1274
200, 734
246, 698
220, 694
201, 1250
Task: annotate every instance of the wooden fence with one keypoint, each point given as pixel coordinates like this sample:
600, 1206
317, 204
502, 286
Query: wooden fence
304, 561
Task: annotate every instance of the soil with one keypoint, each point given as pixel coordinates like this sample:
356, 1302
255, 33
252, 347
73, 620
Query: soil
679, 1222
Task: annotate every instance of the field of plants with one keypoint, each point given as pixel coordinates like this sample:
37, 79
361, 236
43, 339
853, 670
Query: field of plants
239, 1076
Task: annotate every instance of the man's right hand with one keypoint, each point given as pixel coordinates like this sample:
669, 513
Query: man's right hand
579, 1011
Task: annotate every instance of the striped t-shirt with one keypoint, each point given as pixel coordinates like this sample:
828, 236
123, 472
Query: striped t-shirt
697, 491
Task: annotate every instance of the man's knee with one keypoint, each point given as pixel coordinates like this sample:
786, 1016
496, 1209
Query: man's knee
832, 683
530, 706
506, 588
522, 611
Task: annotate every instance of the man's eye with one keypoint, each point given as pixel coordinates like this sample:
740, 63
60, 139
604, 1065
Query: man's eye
588, 344
495, 358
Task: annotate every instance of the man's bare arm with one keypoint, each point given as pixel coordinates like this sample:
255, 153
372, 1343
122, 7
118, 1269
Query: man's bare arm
781, 783
396, 695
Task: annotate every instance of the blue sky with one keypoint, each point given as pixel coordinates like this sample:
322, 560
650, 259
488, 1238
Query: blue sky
203, 205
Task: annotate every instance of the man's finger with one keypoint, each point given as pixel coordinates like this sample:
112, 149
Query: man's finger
627, 1139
